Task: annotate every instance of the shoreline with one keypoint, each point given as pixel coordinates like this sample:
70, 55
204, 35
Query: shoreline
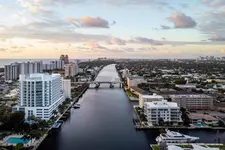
165, 127
68, 108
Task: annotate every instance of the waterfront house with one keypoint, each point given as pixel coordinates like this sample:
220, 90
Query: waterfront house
196, 118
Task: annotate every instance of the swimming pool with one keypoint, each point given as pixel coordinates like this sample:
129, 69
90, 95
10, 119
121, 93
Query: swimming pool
200, 125
15, 140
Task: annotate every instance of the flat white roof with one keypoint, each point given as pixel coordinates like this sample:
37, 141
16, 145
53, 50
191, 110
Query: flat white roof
39, 76
161, 104
191, 96
152, 96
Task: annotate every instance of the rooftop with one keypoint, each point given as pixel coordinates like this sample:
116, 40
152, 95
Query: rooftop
137, 89
186, 85
196, 116
154, 96
161, 104
191, 96
39, 76
135, 77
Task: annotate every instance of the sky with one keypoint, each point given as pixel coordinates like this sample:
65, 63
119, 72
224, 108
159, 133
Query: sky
146, 29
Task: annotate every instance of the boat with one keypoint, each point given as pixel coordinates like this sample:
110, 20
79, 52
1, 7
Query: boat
77, 105
175, 137
136, 122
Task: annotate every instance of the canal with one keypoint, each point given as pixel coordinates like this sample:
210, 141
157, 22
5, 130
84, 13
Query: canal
104, 122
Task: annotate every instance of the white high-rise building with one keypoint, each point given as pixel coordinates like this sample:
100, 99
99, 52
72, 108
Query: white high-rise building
40, 95
11, 72
58, 64
71, 69
48, 67
67, 87
162, 110
31, 67
149, 98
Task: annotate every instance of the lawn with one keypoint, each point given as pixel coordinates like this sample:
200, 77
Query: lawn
131, 94
222, 147
155, 147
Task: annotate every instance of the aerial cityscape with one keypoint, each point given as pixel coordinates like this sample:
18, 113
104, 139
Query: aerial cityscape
112, 75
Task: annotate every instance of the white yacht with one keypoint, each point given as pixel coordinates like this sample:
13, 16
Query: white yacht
77, 105
175, 137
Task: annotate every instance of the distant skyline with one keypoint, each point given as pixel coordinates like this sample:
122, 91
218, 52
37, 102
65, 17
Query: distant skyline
112, 28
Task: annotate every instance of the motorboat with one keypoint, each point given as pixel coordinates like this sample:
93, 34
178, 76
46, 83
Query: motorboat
77, 105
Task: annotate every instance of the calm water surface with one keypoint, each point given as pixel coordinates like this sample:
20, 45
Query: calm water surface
104, 122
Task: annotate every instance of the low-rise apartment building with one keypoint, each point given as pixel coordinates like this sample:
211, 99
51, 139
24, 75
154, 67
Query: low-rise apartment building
193, 101
134, 80
162, 110
148, 98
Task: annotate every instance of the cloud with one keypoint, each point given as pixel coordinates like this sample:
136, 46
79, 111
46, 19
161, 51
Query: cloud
14, 47
3, 49
90, 22
184, 5
180, 20
217, 38
93, 45
117, 41
51, 31
109, 2
33, 6
213, 23
17, 51
147, 49
214, 3
165, 27
143, 40
222, 51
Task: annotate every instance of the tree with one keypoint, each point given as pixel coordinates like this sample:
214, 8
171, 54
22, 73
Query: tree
26, 127
43, 124
16, 120
19, 146
184, 116
5, 112
161, 122
180, 81
55, 112
32, 118
162, 131
61, 108
34, 134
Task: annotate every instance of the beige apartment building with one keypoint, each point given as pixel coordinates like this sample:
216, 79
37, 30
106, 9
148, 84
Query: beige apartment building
193, 101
